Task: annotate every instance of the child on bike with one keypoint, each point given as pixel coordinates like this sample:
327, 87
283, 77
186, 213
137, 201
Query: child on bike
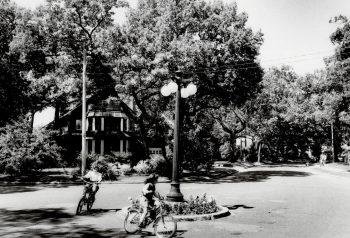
92, 178
149, 197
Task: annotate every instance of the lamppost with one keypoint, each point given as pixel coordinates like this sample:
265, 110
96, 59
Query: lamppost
175, 194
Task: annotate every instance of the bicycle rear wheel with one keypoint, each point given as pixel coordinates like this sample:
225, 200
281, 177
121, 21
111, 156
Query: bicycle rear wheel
165, 226
131, 222
80, 206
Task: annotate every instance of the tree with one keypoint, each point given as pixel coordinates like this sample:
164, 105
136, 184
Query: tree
52, 39
23, 151
338, 71
207, 42
12, 86
290, 114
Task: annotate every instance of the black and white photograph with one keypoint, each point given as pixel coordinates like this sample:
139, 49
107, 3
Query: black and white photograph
175, 118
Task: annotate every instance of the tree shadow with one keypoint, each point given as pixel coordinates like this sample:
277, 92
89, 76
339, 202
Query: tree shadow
50, 223
235, 207
34, 216
237, 177
98, 212
6, 189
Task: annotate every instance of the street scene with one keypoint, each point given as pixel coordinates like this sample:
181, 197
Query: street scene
169, 118
263, 202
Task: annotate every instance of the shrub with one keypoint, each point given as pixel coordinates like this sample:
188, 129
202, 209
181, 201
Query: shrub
193, 206
108, 170
122, 158
125, 169
160, 165
25, 152
143, 167
157, 164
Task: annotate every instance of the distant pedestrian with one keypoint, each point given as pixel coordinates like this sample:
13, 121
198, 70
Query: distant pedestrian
323, 158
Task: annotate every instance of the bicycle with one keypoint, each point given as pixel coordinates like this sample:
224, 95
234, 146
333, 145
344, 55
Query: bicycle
164, 225
88, 198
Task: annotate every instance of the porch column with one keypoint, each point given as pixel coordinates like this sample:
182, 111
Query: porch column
127, 124
102, 123
102, 147
127, 146
121, 146
93, 145
121, 124
93, 124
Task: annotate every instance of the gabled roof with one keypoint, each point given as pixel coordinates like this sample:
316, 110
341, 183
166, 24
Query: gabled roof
93, 104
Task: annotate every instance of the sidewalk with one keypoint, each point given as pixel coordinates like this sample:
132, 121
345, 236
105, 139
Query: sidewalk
334, 167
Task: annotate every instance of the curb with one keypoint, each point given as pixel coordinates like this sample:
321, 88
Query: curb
223, 212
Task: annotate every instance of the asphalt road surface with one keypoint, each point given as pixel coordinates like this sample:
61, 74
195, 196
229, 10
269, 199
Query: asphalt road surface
296, 202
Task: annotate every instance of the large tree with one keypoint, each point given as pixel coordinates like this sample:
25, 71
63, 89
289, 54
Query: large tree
51, 40
12, 87
169, 40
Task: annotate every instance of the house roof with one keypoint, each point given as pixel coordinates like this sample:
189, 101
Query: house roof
110, 106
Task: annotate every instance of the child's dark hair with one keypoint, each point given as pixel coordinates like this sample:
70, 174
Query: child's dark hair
151, 179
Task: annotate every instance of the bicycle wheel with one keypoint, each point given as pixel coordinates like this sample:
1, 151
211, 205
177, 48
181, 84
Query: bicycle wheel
80, 206
90, 202
131, 222
165, 226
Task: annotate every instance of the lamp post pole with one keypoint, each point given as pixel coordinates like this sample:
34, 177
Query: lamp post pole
175, 194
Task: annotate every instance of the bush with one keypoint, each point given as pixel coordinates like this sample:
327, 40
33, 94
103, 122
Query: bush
118, 157
26, 152
194, 206
157, 164
143, 167
101, 164
160, 165
125, 169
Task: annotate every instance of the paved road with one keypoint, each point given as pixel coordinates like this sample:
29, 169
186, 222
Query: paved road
264, 202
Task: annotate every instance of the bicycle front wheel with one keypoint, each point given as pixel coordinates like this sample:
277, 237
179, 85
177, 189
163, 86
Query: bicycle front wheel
90, 202
80, 206
165, 226
131, 222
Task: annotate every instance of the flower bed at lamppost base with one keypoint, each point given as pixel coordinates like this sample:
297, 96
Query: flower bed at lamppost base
193, 209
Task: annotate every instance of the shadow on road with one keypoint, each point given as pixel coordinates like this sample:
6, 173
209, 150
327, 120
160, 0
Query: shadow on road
98, 212
234, 207
233, 176
50, 223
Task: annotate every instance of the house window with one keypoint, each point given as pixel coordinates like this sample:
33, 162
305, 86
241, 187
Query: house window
112, 124
112, 146
97, 123
125, 124
89, 124
78, 125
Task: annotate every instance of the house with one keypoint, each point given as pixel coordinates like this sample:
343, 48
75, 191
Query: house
110, 128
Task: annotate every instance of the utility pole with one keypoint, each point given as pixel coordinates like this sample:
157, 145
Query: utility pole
332, 133
83, 117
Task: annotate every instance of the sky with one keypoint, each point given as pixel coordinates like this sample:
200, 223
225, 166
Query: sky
296, 32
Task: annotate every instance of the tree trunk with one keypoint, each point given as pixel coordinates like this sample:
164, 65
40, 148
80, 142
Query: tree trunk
57, 115
143, 137
32, 114
233, 147
259, 153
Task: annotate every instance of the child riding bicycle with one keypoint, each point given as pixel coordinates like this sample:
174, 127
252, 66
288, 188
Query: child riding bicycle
149, 198
92, 178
